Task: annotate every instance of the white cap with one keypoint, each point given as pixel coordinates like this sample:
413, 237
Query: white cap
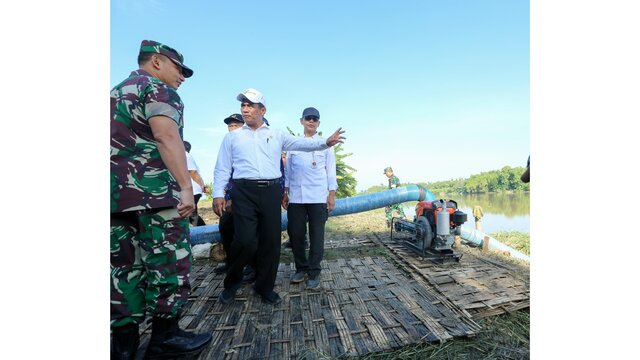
252, 95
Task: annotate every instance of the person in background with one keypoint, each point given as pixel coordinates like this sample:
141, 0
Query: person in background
525, 175
233, 121
394, 182
198, 184
151, 198
309, 196
253, 154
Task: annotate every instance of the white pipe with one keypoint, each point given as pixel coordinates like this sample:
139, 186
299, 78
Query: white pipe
476, 237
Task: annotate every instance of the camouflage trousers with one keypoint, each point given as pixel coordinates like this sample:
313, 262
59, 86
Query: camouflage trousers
389, 211
150, 265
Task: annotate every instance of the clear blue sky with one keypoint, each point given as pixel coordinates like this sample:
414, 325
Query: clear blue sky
435, 89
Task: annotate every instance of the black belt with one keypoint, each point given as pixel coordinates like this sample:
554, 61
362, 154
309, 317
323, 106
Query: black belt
258, 183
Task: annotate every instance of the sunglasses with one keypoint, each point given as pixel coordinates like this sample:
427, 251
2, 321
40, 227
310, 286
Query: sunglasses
311, 118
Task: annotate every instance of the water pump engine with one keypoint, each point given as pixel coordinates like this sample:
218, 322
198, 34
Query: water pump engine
433, 229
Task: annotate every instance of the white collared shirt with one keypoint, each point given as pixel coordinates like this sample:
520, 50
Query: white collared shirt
191, 165
310, 175
256, 154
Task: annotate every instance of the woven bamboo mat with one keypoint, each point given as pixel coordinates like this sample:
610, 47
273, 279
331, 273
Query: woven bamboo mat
479, 286
364, 305
332, 242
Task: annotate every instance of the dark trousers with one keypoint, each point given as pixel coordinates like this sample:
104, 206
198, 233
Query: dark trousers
298, 216
256, 222
225, 225
194, 218
226, 228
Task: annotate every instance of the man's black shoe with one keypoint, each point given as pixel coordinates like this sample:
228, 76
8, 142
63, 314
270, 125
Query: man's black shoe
298, 277
271, 297
124, 342
221, 269
313, 282
249, 276
248, 269
177, 347
169, 341
227, 295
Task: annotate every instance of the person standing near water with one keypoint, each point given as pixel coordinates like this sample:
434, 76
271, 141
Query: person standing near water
394, 182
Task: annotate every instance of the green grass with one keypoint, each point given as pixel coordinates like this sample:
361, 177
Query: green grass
503, 337
515, 239
358, 224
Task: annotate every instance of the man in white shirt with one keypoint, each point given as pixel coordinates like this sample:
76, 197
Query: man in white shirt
198, 184
253, 153
225, 224
309, 196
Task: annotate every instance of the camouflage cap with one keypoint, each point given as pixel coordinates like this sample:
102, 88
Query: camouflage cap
387, 169
234, 118
150, 46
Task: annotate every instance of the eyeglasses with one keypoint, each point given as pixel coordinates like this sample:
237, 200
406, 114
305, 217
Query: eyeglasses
311, 118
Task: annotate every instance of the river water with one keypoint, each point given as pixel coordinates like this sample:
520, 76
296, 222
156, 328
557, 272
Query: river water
502, 212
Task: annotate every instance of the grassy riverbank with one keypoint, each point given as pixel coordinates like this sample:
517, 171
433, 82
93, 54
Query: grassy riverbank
515, 239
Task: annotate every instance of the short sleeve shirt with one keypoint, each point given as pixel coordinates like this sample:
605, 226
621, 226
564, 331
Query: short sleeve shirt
192, 165
139, 178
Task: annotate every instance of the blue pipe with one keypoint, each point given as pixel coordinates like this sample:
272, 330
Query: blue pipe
381, 199
477, 237
351, 205
211, 234
205, 234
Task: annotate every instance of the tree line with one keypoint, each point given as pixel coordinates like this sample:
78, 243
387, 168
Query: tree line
506, 179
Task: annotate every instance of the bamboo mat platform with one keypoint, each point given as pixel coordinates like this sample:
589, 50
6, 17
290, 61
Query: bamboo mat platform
480, 287
333, 242
364, 305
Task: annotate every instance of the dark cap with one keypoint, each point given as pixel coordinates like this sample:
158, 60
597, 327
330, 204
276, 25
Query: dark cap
311, 111
234, 118
150, 46
387, 169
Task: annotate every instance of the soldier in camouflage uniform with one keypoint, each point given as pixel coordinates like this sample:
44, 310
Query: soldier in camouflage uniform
151, 198
394, 182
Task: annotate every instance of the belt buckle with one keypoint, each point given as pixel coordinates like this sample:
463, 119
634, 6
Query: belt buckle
263, 183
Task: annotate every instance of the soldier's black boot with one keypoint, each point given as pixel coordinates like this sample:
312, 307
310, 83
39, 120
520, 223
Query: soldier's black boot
124, 342
168, 341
